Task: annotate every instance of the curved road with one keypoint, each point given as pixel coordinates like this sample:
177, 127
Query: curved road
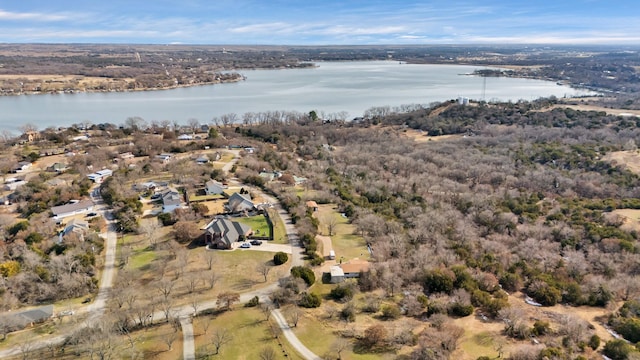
97, 308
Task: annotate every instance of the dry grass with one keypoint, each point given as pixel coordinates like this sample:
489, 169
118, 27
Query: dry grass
344, 242
627, 159
631, 219
420, 136
249, 331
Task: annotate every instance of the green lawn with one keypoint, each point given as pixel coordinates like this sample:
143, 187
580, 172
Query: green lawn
141, 258
205, 197
279, 232
250, 333
257, 223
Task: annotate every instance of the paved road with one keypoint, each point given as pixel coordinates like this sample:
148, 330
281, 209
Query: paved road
292, 338
188, 346
95, 309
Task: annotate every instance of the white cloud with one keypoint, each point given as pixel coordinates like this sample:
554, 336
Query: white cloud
32, 16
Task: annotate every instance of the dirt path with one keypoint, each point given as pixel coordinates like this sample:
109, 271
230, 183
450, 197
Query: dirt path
326, 245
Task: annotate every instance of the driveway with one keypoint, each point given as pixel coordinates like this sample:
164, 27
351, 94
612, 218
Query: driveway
266, 246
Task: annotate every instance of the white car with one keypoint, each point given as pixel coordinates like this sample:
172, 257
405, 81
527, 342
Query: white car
245, 245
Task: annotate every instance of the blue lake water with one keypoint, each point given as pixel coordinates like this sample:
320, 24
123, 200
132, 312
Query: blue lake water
331, 87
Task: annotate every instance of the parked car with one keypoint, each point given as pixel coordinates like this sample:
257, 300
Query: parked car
91, 214
245, 245
256, 242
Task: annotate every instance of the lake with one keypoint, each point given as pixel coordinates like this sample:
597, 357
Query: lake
331, 87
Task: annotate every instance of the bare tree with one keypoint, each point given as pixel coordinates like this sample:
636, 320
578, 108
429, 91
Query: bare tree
164, 286
339, 345
194, 124
192, 279
267, 353
26, 346
220, 338
263, 269
195, 304
209, 258
211, 278
227, 298
293, 315
150, 229
166, 305
331, 222
205, 323
266, 311
169, 338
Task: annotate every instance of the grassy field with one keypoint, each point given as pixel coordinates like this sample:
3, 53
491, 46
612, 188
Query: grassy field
249, 331
258, 224
319, 333
205, 197
344, 242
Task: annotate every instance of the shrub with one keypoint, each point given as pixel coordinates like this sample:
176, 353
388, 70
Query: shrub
341, 292
436, 281
460, 310
594, 342
280, 258
617, 349
391, 311
255, 301
166, 219
540, 328
310, 300
315, 259
304, 273
348, 312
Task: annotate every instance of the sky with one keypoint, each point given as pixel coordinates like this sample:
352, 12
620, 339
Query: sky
320, 22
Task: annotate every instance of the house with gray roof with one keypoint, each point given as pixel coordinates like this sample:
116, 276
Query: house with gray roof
239, 203
222, 233
75, 207
213, 187
171, 200
21, 319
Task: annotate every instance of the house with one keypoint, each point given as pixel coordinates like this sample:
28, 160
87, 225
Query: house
99, 176
163, 158
239, 203
222, 233
202, 159
75, 207
354, 267
31, 136
22, 166
75, 226
270, 175
351, 269
13, 183
145, 186
171, 200
21, 319
213, 187
58, 168
312, 205
126, 156
337, 275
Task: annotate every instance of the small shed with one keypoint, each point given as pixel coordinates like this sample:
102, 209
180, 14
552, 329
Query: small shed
337, 275
312, 205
